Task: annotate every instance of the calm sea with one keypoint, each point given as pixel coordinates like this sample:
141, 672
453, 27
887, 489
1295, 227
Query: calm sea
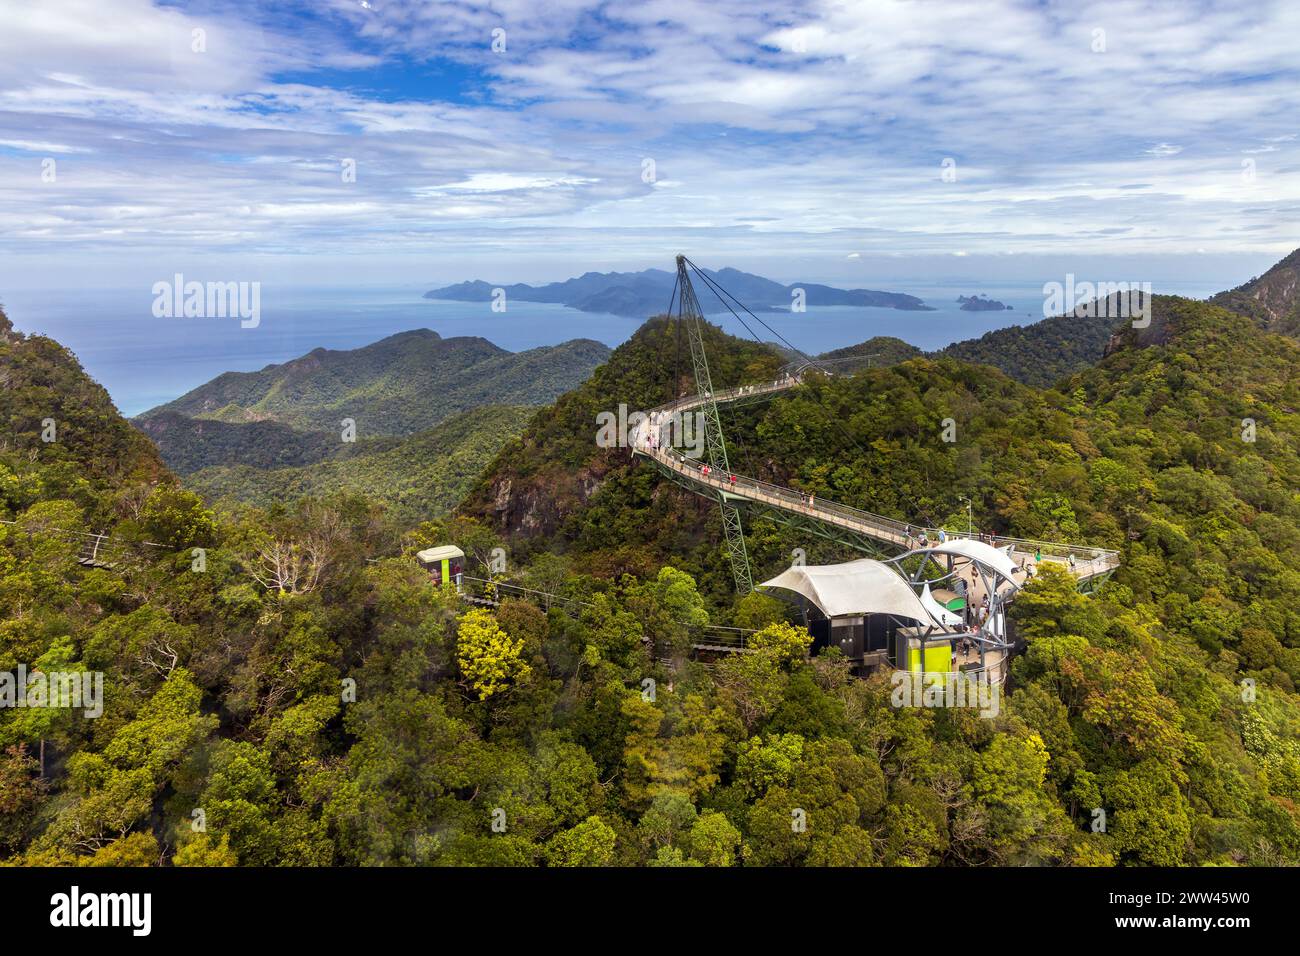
145, 361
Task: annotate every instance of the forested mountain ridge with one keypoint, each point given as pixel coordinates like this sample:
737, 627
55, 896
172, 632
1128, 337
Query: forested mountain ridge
876, 351
1042, 353
415, 478
56, 414
222, 685
538, 481
191, 444
396, 392
1179, 448
397, 386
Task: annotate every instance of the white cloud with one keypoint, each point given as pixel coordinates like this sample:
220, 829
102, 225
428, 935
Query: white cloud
505, 182
813, 125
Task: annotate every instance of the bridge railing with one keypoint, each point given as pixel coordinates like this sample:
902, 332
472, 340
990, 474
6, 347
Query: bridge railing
92, 547
899, 531
485, 587
745, 486
873, 524
736, 638
879, 525
797, 368
687, 402
715, 634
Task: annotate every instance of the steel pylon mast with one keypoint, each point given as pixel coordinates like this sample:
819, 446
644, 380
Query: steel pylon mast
691, 317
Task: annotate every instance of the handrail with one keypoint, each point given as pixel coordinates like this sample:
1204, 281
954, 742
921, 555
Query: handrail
89, 540
519, 589
735, 636
1086, 561
821, 363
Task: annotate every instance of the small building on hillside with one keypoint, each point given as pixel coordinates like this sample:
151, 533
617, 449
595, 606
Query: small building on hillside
938, 609
871, 613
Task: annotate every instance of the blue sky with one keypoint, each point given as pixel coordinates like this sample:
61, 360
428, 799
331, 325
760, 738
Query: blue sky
803, 140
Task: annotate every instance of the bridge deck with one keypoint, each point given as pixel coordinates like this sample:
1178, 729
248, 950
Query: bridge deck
1084, 562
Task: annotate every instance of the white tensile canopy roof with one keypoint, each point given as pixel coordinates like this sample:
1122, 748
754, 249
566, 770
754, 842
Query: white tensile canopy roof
937, 610
855, 587
987, 555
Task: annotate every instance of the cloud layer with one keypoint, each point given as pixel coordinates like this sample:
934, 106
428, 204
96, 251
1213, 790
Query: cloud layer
1131, 128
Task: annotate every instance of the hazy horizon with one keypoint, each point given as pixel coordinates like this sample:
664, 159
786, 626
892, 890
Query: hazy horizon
888, 274
146, 361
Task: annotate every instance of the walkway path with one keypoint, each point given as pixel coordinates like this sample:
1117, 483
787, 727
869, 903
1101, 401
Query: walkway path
1084, 562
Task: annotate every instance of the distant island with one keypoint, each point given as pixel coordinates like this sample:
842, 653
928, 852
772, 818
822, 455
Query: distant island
646, 293
974, 303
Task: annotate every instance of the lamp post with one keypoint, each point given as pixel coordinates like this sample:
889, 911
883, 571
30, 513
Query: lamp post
970, 518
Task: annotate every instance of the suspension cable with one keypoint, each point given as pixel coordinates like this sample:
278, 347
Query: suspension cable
676, 386
720, 292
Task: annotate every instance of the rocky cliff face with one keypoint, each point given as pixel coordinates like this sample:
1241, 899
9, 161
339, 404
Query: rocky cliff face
1272, 300
559, 482
529, 508
1157, 332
